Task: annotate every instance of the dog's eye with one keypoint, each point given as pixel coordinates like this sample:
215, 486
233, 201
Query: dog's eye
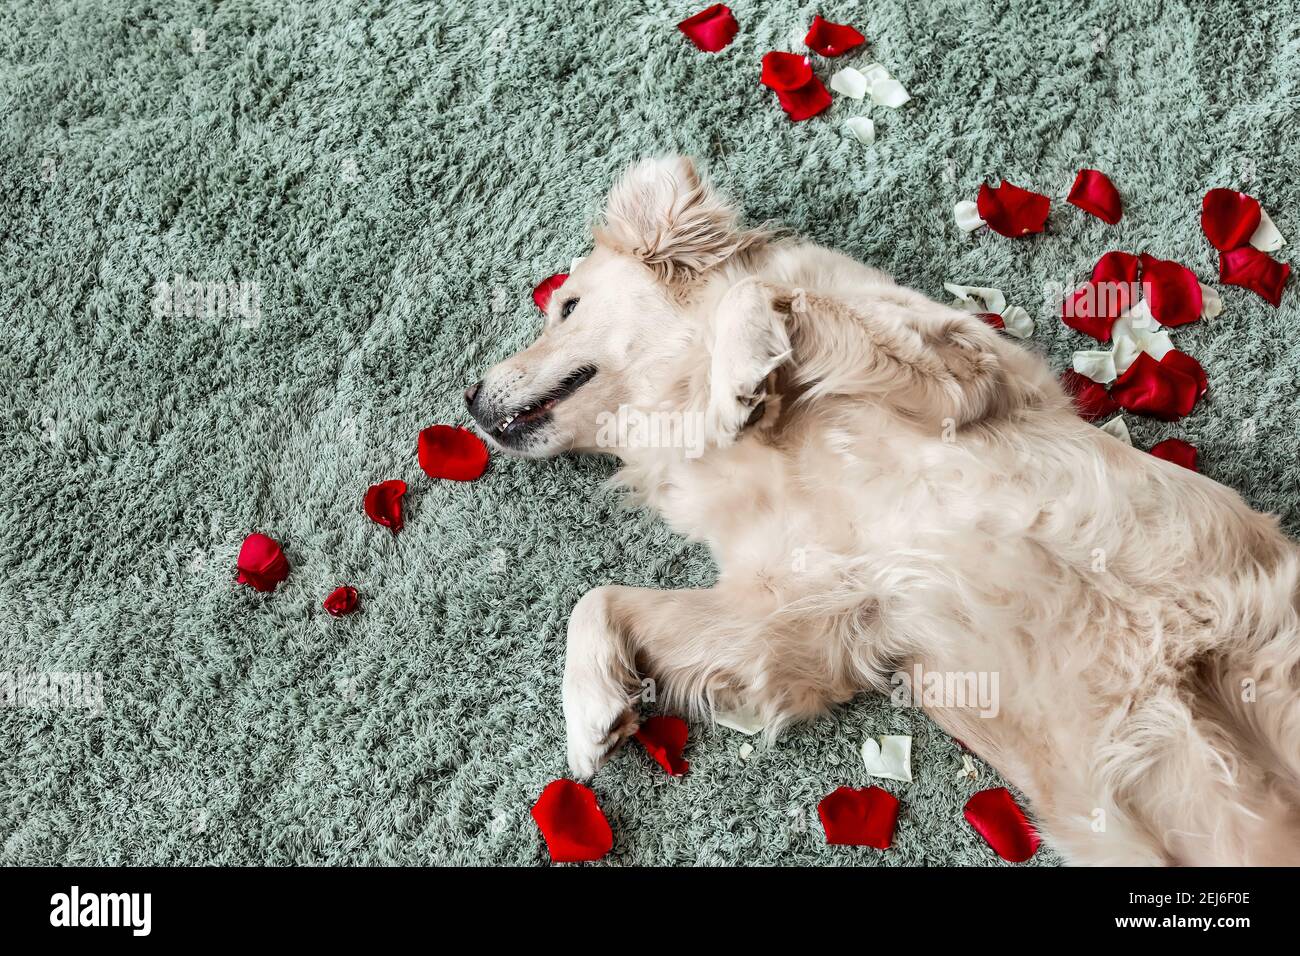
567, 309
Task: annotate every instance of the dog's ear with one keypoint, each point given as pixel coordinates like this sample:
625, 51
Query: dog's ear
665, 213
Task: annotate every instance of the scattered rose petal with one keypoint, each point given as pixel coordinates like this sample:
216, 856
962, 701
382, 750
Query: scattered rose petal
1017, 322
577, 261
862, 128
1172, 291
664, 739
968, 769
1118, 428
890, 757
805, 102
1012, 211
1094, 193
711, 29
1177, 451
1091, 400
889, 92
1211, 302
743, 719
1266, 237
1254, 270
974, 298
1229, 218
1093, 308
383, 503
785, 71
967, 215
995, 817
746, 751
863, 817
1096, 365
849, 82
1133, 333
543, 291
446, 451
991, 319
1184, 364
342, 600
1160, 389
832, 39
571, 821
261, 563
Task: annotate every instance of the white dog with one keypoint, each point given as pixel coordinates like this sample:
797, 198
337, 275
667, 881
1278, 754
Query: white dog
890, 487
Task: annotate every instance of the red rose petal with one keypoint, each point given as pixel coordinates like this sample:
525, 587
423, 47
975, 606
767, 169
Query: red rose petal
805, 102
1094, 306
1229, 218
1094, 193
785, 71
1091, 400
995, 817
1158, 389
1012, 211
1184, 363
261, 563
1172, 291
1177, 451
991, 318
342, 600
1254, 270
543, 291
859, 817
383, 503
664, 738
832, 39
571, 821
712, 28
449, 452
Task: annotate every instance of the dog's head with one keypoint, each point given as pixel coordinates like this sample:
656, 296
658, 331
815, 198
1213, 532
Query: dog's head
617, 320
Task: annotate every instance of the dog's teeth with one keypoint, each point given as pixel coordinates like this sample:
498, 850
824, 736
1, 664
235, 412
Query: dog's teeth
506, 422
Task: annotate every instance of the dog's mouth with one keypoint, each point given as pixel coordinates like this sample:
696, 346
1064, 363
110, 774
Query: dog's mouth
538, 411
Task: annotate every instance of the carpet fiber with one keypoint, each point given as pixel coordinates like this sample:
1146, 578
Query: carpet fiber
364, 194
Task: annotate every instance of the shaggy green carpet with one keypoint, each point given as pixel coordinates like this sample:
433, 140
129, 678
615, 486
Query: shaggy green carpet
389, 180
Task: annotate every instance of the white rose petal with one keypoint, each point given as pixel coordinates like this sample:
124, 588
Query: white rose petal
743, 719
889, 93
967, 215
746, 751
974, 298
1118, 428
891, 758
873, 73
1096, 365
862, 128
968, 769
1266, 238
1017, 323
1211, 302
849, 82
577, 261
1131, 340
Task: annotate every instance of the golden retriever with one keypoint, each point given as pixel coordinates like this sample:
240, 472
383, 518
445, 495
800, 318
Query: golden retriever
899, 498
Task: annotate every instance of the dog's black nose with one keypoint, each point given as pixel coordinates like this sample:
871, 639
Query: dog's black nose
471, 392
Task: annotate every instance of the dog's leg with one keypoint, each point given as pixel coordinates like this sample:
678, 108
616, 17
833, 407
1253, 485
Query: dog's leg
922, 360
613, 631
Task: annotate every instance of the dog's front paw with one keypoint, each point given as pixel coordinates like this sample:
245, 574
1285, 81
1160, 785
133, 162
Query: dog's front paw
751, 343
596, 722
599, 706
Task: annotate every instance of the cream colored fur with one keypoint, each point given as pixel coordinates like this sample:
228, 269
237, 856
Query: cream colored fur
888, 482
